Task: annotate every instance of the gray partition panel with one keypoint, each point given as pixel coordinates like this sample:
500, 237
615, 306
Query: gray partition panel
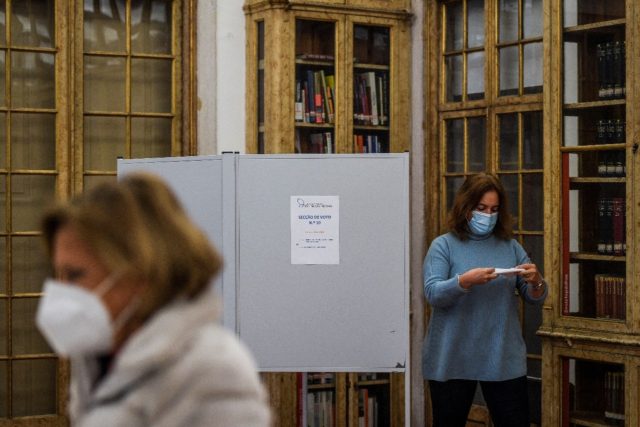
199, 185
347, 317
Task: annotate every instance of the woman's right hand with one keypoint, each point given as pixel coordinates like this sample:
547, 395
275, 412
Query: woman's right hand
476, 276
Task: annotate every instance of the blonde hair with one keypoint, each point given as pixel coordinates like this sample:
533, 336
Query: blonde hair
138, 228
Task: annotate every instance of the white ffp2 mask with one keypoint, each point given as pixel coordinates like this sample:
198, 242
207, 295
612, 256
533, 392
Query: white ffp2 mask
74, 320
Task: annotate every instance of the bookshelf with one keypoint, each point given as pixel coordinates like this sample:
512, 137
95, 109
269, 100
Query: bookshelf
329, 76
327, 79
590, 329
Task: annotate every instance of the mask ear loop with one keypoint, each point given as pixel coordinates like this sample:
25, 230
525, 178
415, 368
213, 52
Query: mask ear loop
106, 285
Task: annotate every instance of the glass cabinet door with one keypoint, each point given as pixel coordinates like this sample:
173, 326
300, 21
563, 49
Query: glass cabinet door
371, 55
593, 393
594, 190
315, 86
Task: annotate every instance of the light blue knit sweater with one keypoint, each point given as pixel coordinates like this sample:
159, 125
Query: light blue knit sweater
474, 334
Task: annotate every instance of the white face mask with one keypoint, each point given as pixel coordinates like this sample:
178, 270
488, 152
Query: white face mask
74, 320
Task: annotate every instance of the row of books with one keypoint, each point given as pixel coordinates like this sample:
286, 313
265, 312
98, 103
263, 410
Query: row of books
611, 226
612, 163
367, 409
315, 92
611, 131
320, 409
611, 296
369, 144
614, 397
611, 69
371, 99
320, 378
316, 142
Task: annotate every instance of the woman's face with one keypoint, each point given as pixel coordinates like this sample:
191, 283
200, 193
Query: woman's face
75, 262
489, 203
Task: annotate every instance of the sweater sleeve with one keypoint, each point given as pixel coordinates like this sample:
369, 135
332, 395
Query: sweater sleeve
523, 287
440, 289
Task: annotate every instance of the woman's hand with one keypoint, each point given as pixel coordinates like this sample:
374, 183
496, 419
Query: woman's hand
530, 273
476, 276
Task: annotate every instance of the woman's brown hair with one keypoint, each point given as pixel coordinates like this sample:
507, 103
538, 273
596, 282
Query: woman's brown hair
467, 199
137, 227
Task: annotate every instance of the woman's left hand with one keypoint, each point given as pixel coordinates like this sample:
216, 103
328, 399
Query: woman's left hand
530, 273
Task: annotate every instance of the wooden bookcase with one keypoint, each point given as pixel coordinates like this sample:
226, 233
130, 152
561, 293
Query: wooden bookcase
313, 69
590, 333
327, 77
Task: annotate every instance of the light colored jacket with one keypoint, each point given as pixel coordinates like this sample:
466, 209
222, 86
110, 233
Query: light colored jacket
180, 369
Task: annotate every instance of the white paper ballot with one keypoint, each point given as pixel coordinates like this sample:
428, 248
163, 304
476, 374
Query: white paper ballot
508, 270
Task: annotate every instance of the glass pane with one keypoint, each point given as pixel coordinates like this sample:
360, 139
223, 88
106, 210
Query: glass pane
512, 192
104, 142
581, 12
534, 246
4, 398
532, 68
534, 369
3, 139
453, 184
532, 321
3, 332
475, 9
91, 181
532, 204
104, 83
570, 75
150, 137
29, 264
475, 79
3, 206
476, 131
3, 268
260, 27
151, 26
26, 339
532, 140
34, 387
3, 77
532, 17
586, 379
33, 141
3, 25
151, 85
29, 195
32, 80
455, 145
454, 78
32, 23
455, 26
508, 20
509, 71
104, 25
508, 159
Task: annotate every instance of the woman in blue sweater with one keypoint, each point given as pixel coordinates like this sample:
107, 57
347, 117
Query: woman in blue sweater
474, 333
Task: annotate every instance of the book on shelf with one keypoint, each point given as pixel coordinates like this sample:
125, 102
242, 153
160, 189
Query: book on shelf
370, 99
315, 57
611, 131
367, 409
611, 226
320, 408
370, 143
610, 292
314, 98
611, 69
614, 396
